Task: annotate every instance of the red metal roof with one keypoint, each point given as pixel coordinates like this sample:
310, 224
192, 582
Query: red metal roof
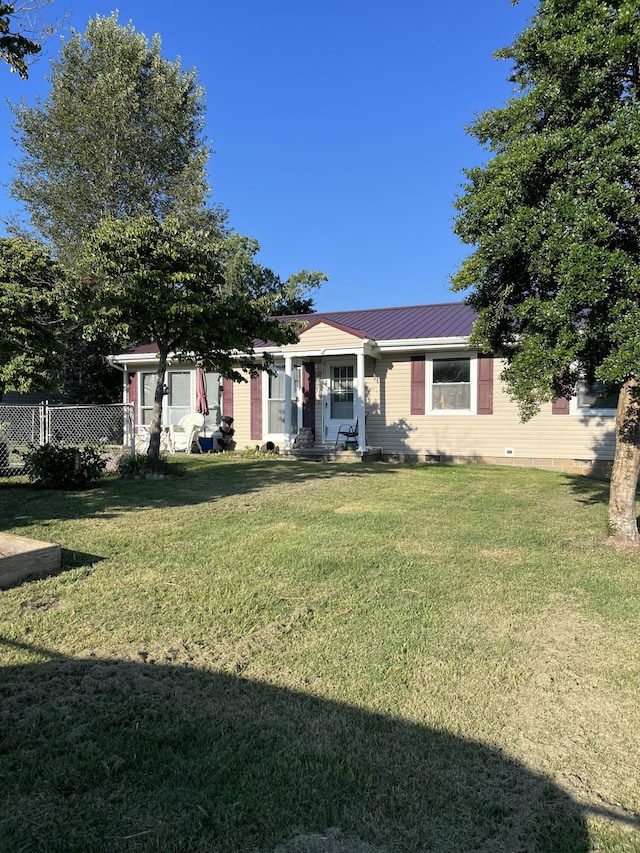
448, 320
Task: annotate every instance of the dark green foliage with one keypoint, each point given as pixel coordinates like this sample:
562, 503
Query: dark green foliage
55, 467
42, 347
196, 293
554, 219
35, 303
554, 216
89, 376
15, 48
138, 465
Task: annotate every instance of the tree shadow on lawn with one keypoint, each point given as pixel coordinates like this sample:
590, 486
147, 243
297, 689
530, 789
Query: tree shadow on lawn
591, 492
203, 481
108, 755
588, 490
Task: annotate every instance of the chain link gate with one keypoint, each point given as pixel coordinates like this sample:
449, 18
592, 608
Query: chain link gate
110, 424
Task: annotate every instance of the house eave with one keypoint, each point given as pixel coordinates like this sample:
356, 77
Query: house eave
421, 344
366, 345
132, 359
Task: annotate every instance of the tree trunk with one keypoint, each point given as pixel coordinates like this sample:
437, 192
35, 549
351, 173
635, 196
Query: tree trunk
623, 523
155, 427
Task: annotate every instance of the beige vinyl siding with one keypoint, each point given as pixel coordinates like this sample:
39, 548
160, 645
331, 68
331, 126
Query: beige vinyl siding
242, 413
569, 436
392, 427
324, 336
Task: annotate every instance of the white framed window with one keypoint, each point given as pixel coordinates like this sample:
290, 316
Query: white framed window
179, 395
595, 398
276, 398
451, 384
212, 420
147, 393
176, 402
296, 397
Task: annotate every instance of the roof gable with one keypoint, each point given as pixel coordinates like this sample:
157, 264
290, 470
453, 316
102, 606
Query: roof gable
323, 320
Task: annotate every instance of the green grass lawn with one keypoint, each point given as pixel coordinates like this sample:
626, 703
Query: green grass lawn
273, 656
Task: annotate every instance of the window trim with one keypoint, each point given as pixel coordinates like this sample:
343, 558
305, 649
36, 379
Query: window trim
165, 399
473, 383
142, 406
296, 401
173, 413
588, 411
277, 368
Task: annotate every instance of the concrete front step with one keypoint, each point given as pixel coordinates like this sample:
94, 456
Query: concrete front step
328, 453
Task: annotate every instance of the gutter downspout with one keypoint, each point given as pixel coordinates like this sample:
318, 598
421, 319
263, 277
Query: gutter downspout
125, 402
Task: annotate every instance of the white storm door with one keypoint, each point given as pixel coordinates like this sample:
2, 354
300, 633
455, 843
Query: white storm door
339, 397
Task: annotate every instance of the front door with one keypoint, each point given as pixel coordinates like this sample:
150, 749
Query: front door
339, 397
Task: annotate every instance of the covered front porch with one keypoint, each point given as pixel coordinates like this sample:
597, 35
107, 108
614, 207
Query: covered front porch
319, 394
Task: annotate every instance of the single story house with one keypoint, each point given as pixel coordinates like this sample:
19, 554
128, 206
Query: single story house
408, 373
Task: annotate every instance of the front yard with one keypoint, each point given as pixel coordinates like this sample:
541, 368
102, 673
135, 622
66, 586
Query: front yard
274, 656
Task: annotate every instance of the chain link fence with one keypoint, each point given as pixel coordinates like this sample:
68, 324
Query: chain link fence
109, 424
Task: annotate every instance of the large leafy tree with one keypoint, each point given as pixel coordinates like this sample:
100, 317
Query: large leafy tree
34, 313
197, 294
554, 217
120, 134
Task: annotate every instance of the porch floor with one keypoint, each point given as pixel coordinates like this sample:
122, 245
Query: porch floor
328, 453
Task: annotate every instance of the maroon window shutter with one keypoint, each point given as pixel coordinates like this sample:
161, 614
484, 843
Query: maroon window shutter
560, 406
417, 384
309, 396
485, 384
256, 407
227, 398
132, 394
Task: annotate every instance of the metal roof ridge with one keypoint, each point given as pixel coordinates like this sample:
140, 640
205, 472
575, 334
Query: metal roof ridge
316, 314
393, 308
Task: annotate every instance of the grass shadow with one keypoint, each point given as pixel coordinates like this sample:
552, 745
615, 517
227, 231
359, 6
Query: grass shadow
588, 490
198, 480
108, 755
591, 491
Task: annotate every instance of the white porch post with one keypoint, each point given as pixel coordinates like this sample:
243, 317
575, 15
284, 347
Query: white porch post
287, 402
360, 413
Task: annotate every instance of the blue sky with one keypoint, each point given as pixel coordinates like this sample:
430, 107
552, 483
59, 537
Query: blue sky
337, 126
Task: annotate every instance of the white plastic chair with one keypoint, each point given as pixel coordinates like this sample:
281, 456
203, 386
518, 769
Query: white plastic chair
183, 434
143, 437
